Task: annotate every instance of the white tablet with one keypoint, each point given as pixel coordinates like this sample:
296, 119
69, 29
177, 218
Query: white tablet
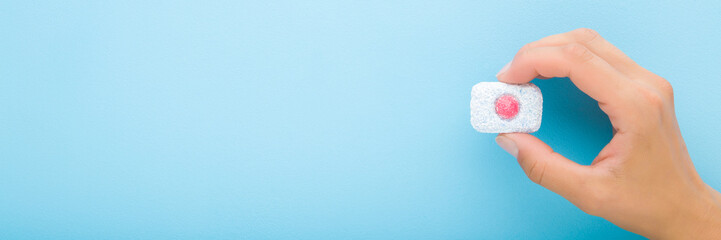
502, 108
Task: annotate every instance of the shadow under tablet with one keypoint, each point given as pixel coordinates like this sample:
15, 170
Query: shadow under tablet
572, 124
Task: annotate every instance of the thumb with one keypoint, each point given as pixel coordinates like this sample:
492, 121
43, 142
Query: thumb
544, 166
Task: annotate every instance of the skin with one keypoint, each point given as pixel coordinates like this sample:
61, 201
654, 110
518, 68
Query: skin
643, 180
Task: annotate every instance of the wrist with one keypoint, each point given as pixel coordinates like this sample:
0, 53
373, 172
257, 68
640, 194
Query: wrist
712, 230
701, 220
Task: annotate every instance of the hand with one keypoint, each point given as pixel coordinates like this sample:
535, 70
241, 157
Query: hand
643, 180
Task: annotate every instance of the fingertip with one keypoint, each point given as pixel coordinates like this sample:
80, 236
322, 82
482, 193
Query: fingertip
507, 144
503, 70
514, 135
516, 72
527, 143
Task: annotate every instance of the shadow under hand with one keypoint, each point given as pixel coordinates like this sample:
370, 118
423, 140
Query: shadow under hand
573, 124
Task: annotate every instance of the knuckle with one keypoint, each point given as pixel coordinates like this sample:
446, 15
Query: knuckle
650, 97
665, 87
532, 45
577, 52
526, 48
585, 35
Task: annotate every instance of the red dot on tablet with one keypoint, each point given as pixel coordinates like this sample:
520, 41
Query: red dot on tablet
507, 106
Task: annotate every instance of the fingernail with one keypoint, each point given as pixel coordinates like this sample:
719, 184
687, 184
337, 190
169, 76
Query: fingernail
508, 145
504, 69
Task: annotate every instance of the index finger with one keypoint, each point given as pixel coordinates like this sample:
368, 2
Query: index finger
590, 73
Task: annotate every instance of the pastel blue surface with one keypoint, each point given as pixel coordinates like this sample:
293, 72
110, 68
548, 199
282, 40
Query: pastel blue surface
310, 120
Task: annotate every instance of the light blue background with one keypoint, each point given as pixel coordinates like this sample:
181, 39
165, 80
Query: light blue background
309, 120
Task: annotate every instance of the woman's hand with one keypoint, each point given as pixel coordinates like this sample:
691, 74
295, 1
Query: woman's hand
643, 180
